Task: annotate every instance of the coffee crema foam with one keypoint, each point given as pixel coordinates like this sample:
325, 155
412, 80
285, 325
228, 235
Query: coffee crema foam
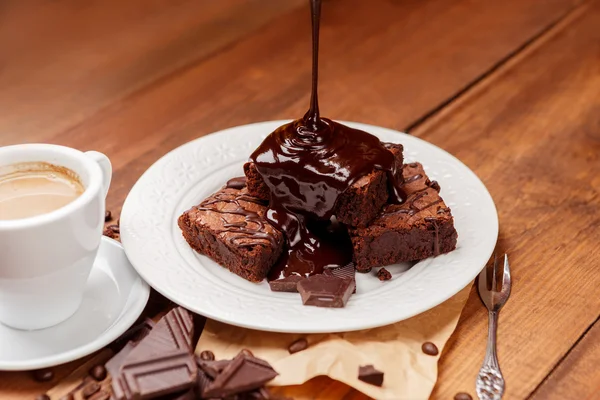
36, 188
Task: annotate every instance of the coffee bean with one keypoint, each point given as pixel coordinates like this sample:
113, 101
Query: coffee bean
101, 395
43, 375
298, 345
114, 228
89, 390
430, 349
43, 397
98, 372
68, 397
462, 396
247, 352
207, 355
107, 216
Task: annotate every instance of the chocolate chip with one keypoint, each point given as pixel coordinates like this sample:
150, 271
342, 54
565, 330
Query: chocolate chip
207, 355
430, 349
462, 396
298, 345
247, 352
43, 375
43, 397
114, 228
107, 216
101, 395
68, 397
90, 389
98, 372
384, 275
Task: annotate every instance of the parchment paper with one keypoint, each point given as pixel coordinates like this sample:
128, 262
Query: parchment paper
394, 349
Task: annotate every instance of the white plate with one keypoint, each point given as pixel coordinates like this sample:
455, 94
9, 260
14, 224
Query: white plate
188, 174
114, 298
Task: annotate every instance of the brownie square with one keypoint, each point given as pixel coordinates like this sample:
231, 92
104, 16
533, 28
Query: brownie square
357, 206
230, 228
421, 227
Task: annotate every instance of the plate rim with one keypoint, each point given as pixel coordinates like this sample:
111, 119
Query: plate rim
130, 312
349, 327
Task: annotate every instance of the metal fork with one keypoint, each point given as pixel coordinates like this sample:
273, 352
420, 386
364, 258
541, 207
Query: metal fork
494, 291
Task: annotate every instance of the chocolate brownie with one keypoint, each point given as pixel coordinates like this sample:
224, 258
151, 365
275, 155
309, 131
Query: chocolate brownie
230, 228
419, 228
357, 206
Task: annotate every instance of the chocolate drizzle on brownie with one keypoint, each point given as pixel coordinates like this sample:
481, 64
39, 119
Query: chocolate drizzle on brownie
307, 164
436, 241
251, 228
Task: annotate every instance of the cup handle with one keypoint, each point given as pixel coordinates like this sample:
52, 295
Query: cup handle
105, 166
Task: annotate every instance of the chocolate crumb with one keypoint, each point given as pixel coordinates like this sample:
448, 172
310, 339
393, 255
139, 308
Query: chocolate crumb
101, 395
43, 397
89, 390
107, 216
207, 355
384, 275
114, 228
462, 396
98, 373
298, 345
43, 375
109, 233
370, 375
247, 352
430, 349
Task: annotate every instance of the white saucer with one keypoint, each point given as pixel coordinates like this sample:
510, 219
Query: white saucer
114, 298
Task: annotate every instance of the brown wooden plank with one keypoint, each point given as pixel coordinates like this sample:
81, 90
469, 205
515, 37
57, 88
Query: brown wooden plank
266, 76
63, 61
531, 132
578, 375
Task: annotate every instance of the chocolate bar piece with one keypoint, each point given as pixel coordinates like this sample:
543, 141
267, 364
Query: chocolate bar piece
370, 375
326, 291
162, 363
244, 373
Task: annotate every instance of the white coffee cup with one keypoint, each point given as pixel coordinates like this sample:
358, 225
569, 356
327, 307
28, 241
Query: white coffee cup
45, 260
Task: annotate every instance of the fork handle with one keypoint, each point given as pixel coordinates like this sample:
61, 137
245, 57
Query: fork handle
490, 382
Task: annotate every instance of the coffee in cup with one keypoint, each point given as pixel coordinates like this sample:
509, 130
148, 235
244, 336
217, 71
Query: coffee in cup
35, 188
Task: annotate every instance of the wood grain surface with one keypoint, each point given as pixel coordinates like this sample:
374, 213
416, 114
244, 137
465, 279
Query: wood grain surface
511, 88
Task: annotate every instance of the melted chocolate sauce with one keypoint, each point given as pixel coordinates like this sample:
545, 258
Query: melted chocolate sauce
436, 242
307, 164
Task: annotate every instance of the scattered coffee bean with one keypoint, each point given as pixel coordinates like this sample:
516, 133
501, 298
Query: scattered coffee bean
114, 228
107, 216
101, 395
43, 397
207, 355
462, 396
298, 345
430, 349
98, 372
247, 352
90, 389
68, 397
384, 275
109, 233
43, 375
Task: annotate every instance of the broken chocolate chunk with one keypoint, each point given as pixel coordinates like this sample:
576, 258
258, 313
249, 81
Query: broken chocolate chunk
326, 291
244, 373
287, 284
348, 272
162, 363
370, 375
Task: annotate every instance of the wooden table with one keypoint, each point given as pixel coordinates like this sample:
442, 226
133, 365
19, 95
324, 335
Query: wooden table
511, 88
